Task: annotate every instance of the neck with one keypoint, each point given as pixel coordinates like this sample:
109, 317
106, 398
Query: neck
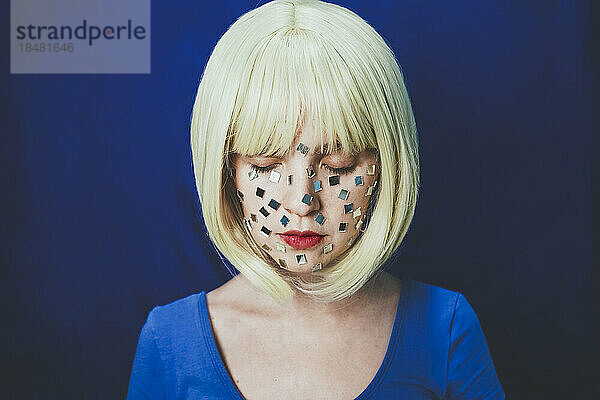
303, 308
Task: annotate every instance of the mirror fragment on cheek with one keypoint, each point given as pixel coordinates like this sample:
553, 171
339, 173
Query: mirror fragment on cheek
265, 231
306, 199
328, 248
280, 247
282, 264
289, 179
274, 204
358, 180
359, 224
350, 241
260, 192
253, 217
320, 219
348, 208
334, 180
263, 211
252, 175
317, 267
369, 190
284, 220
310, 172
343, 226
274, 177
317, 186
343, 194
371, 169
301, 259
266, 248
356, 213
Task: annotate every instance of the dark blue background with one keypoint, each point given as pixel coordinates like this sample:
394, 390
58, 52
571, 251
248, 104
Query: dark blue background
100, 220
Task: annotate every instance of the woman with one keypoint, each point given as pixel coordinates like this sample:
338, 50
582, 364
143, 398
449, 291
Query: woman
306, 163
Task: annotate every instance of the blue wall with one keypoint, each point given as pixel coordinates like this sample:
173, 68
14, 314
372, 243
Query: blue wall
100, 220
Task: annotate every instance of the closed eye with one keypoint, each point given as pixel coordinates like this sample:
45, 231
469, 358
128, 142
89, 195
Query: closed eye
341, 171
262, 170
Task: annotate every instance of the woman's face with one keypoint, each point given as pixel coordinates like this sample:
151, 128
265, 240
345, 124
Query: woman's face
305, 209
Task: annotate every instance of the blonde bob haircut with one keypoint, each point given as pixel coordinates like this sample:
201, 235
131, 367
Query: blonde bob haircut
272, 65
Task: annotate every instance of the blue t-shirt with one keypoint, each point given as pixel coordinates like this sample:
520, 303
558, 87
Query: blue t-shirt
436, 350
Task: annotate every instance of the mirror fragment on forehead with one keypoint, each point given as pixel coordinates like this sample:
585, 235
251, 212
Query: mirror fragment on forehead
310, 172
282, 263
302, 148
328, 248
343, 194
284, 220
306, 199
358, 180
317, 186
343, 226
263, 211
371, 169
280, 247
348, 208
274, 177
274, 204
266, 247
265, 231
359, 224
252, 174
317, 267
260, 192
289, 179
301, 258
357, 213
334, 180
320, 219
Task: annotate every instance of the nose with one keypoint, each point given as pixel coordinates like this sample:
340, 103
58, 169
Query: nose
300, 197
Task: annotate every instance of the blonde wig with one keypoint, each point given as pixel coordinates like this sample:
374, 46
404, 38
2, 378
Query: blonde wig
276, 62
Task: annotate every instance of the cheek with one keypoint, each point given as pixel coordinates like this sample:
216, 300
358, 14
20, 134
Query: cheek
259, 204
347, 205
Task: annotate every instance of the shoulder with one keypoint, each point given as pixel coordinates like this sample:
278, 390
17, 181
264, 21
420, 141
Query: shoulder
449, 307
445, 326
434, 300
431, 313
178, 316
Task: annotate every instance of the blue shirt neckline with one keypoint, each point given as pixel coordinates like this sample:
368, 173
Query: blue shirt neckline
204, 325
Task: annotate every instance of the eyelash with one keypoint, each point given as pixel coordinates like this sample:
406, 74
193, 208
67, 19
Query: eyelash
262, 170
339, 171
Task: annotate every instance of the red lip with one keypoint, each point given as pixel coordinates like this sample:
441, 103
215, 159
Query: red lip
301, 240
